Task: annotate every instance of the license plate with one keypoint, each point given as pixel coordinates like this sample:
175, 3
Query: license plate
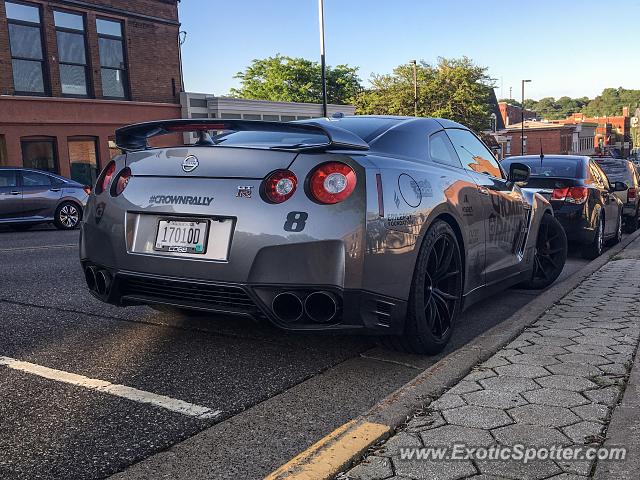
182, 236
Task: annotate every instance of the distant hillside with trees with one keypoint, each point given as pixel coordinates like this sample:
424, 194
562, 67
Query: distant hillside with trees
609, 102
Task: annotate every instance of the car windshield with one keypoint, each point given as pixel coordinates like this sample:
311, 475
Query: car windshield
270, 139
616, 170
551, 167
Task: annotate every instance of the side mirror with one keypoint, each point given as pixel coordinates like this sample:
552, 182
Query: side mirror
519, 173
620, 187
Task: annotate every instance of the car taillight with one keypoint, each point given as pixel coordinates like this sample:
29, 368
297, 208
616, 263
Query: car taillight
332, 182
631, 194
121, 182
279, 186
570, 194
105, 177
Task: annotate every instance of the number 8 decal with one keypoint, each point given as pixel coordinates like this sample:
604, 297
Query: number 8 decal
296, 221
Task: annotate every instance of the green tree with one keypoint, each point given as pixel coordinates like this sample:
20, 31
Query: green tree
456, 89
611, 101
287, 79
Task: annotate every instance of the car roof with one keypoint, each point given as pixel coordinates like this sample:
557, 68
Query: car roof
372, 127
44, 172
536, 158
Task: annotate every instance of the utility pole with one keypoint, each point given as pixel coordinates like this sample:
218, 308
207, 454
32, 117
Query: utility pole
522, 119
323, 64
182, 37
415, 88
510, 95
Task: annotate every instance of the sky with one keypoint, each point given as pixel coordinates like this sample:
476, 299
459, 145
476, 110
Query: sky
563, 46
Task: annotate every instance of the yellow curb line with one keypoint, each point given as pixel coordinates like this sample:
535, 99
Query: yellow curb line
326, 458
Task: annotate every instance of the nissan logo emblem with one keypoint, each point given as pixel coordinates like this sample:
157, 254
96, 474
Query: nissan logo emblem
190, 163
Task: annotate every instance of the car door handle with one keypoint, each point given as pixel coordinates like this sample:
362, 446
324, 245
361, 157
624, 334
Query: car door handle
54, 189
14, 192
483, 190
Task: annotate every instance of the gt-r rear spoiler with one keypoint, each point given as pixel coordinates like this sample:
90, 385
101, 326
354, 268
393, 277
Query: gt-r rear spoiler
134, 137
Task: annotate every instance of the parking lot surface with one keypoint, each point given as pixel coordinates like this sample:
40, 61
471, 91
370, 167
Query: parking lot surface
87, 389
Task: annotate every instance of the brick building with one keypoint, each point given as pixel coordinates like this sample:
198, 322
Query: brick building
72, 71
511, 114
612, 132
550, 138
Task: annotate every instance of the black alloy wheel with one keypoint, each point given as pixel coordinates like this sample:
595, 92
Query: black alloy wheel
594, 249
436, 293
618, 236
632, 223
551, 253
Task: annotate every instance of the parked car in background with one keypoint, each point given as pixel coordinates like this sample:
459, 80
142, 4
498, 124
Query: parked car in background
583, 199
620, 170
29, 197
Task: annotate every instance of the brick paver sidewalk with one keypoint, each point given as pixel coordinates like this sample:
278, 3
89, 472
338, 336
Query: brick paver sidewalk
555, 384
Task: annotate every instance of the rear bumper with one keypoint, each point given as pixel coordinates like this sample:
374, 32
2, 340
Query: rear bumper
575, 223
359, 311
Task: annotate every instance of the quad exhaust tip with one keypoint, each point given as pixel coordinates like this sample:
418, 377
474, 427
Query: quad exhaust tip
321, 307
103, 282
288, 307
98, 280
90, 277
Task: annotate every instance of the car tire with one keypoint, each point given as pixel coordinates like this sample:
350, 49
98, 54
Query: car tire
20, 227
594, 249
618, 235
550, 256
631, 225
67, 216
436, 294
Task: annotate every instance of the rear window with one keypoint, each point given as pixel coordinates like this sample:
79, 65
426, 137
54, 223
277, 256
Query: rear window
552, 167
270, 139
367, 128
616, 171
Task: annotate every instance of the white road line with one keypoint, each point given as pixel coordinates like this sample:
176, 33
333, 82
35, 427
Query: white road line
122, 391
37, 247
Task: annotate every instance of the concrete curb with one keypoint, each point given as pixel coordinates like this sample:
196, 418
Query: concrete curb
336, 452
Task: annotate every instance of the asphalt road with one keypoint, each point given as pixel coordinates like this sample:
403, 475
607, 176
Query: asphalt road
276, 393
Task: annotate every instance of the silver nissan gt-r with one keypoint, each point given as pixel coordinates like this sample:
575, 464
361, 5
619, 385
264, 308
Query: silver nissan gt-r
377, 224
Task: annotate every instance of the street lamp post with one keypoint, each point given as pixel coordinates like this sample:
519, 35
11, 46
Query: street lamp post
415, 88
323, 65
522, 119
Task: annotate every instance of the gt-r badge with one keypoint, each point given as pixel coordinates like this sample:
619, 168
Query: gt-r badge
190, 163
244, 191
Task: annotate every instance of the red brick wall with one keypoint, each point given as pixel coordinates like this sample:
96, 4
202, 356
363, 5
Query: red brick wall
555, 141
61, 118
511, 114
151, 47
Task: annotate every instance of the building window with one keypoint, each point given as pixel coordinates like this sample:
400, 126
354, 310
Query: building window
287, 118
3, 151
271, 118
231, 116
251, 116
198, 102
112, 60
72, 55
83, 160
27, 58
39, 154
